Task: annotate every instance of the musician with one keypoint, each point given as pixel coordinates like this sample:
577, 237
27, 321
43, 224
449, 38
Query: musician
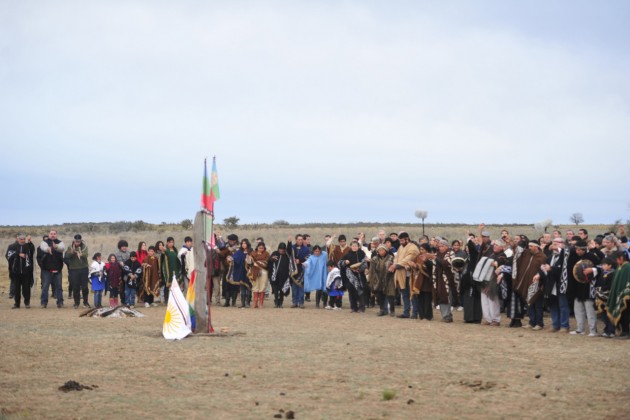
584, 292
528, 271
76, 257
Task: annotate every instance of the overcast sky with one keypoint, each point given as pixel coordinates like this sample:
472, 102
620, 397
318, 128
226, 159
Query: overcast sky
317, 111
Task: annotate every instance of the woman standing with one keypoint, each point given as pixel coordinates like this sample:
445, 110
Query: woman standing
258, 274
353, 274
237, 273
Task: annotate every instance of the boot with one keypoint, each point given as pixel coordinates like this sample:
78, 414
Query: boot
227, 301
256, 297
248, 298
262, 299
243, 300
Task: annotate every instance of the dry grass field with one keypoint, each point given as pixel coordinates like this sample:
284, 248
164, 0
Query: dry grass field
314, 363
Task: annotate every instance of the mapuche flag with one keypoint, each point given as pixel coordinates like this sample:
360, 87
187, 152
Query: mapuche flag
210, 192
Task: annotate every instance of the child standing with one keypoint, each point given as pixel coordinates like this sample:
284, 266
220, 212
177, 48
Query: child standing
97, 279
113, 271
133, 272
334, 284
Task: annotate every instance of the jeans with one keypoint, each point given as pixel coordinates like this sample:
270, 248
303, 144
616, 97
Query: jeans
585, 311
535, 313
414, 306
446, 311
297, 294
405, 298
51, 279
130, 296
559, 310
98, 298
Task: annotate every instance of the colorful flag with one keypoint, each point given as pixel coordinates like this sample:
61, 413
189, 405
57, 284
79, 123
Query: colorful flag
214, 183
177, 323
190, 298
210, 190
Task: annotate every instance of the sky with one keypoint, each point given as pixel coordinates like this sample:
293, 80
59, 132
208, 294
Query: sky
317, 111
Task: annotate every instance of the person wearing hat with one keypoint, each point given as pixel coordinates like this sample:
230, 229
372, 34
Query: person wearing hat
583, 293
529, 271
489, 294
77, 259
556, 285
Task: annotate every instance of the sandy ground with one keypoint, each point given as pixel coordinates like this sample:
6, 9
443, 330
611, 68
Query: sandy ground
316, 363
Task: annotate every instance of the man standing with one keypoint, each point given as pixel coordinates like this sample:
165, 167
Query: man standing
443, 280
556, 285
407, 253
78, 270
52, 266
187, 261
300, 253
528, 271
20, 258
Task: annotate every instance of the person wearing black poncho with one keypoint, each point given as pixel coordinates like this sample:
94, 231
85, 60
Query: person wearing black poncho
353, 275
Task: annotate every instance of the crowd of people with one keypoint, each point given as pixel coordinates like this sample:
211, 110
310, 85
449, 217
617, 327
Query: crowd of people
484, 278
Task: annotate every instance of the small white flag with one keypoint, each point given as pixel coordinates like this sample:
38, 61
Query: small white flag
177, 323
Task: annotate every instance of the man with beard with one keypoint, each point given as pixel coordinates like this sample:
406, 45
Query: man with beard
443, 281
52, 266
403, 259
78, 270
20, 259
556, 285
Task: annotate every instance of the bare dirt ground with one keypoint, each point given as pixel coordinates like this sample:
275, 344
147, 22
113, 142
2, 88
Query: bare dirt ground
315, 363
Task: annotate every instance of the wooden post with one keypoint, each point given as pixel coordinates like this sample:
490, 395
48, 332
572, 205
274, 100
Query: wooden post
199, 244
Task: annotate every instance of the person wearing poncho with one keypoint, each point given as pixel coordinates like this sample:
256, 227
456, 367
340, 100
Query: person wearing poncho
315, 273
443, 281
407, 252
280, 270
619, 297
382, 280
352, 269
237, 273
421, 284
258, 274
529, 271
